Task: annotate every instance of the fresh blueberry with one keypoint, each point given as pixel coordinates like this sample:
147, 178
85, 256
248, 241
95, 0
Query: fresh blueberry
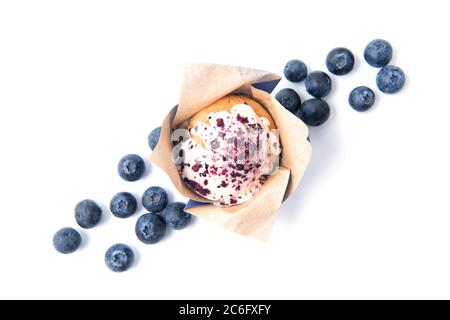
295, 70
119, 257
154, 199
340, 61
123, 205
88, 214
131, 167
153, 138
175, 215
378, 53
66, 240
361, 98
314, 112
150, 228
318, 84
390, 79
289, 99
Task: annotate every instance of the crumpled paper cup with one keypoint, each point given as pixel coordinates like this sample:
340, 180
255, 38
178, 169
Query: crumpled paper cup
202, 85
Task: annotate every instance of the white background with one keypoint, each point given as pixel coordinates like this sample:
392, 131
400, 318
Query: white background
83, 82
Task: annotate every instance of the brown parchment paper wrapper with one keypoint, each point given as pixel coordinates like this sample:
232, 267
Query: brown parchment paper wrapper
202, 85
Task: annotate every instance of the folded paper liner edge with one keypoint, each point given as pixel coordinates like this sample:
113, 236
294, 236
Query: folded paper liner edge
202, 85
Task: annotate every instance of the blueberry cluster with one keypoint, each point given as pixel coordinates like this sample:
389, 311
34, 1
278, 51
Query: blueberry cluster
315, 111
339, 61
390, 79
150, 227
